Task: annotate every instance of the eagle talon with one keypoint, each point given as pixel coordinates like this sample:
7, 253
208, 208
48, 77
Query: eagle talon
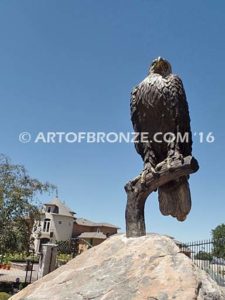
170, 159
143, 176
148, 169
155, 174
179, 157
168, 164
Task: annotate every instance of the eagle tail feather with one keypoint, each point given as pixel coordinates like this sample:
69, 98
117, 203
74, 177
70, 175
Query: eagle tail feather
175, 198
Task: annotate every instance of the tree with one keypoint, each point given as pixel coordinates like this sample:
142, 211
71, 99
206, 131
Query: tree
218, 235
19, 206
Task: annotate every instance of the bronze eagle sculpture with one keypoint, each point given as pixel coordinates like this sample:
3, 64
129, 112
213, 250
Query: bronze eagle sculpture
159, 108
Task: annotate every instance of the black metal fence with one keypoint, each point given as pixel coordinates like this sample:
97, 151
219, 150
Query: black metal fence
66, 250
209, 255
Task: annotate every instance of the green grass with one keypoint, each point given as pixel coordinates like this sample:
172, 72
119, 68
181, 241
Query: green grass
4, 296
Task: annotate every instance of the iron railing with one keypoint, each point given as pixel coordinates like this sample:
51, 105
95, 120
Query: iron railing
68, 247
209, 255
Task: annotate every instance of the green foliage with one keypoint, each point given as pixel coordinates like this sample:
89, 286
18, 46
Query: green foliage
18, 206
6, 287
218, 235
22, 285
64, 257
203, 255
4, 296
21, 257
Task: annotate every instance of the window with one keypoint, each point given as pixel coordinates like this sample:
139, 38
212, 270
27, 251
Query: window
56, 210
49, 209
46, 225
60, 222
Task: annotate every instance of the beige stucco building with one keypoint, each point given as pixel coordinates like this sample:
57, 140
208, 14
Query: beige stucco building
58, 223
55, 224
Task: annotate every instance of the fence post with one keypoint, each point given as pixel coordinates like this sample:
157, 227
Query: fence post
47, 260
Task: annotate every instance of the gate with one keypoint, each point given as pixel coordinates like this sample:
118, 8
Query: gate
67, 250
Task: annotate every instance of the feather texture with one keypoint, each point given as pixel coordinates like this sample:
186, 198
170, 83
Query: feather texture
159, 105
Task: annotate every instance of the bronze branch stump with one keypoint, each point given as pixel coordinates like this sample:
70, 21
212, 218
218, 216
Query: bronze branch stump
138, 192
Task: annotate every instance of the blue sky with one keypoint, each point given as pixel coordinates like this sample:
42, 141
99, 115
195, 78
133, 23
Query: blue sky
70, 66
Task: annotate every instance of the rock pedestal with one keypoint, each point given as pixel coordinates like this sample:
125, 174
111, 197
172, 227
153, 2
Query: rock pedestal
146, 268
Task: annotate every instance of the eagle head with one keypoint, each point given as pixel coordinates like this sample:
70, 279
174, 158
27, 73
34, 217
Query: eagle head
160, 66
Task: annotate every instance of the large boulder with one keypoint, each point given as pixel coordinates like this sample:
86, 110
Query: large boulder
150, 267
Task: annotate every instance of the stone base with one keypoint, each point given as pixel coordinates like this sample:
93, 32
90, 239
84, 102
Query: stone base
144, 268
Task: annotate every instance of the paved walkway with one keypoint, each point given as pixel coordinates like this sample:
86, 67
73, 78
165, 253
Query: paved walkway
12, 274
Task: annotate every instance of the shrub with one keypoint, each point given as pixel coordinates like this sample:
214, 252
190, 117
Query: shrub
4, 296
